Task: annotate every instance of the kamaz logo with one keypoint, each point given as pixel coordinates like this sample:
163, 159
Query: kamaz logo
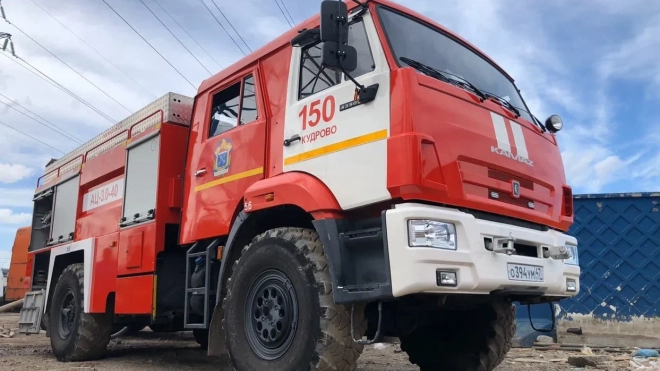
503, 147
510, 155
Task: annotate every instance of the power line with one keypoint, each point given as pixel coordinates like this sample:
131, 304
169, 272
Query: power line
287, 11
284, 15
231, 25
148, 43
300, 8
59, 86
71, 68
223, 27
51, 126
31, 137
177, 39
71, 136
189, 35
94, 49
55, 129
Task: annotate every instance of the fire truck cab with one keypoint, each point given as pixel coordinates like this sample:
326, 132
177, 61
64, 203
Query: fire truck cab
366, 175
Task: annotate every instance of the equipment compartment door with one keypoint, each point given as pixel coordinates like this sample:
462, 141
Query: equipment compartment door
342, 143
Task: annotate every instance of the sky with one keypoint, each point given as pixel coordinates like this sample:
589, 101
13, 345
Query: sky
593, 63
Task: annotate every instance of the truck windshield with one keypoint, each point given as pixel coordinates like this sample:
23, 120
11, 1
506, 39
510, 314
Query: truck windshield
409, 38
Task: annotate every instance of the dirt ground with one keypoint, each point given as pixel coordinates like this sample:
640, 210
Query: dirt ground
179, 351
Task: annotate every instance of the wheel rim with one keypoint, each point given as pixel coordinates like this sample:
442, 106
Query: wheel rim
271, 314
67, 315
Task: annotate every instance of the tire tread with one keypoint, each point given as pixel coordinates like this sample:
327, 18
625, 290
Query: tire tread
427, 351
93, 332
335, 349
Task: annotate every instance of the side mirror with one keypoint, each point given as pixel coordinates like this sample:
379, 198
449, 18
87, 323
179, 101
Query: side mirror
336, 53
334, 21
339, 57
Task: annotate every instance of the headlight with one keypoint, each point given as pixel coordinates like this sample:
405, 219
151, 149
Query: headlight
429, 233
573, 260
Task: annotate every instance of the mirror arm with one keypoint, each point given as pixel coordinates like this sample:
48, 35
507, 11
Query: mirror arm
364, 5
340, 53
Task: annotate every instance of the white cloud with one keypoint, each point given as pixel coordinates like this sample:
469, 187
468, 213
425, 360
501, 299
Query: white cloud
8, 216
636, 58
519, 36
12, 173
16, 197
5, 255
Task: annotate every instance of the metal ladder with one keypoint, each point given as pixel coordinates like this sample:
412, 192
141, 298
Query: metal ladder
209, 252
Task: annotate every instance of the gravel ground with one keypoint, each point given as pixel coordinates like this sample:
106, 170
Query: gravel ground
179, 351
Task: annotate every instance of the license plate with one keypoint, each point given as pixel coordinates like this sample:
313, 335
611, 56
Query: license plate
520, 272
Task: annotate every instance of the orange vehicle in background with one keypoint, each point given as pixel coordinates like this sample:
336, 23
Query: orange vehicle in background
17, 285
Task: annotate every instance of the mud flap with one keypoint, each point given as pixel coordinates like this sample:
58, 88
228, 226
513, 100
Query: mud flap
216, 334
29, 320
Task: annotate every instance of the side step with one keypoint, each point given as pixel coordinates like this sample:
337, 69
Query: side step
29, 320
208, 251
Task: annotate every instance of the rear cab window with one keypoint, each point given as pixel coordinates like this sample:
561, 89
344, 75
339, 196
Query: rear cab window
235, 105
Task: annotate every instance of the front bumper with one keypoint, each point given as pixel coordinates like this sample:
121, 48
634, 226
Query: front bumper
478, 270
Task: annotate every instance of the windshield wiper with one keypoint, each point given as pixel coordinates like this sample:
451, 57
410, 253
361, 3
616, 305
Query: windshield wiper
465, 84
442, 76
503, 102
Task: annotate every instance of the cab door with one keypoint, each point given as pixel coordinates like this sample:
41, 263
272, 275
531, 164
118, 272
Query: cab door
227, 153
342, 144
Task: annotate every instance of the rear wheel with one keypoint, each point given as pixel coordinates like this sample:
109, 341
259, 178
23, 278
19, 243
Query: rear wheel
471, 340
279, 307
76, 335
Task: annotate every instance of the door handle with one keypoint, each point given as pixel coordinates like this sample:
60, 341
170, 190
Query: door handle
294, 137
200, 172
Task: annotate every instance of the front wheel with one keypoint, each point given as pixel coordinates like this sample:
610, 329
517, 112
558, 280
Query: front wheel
279, 307
74, 334
468, 340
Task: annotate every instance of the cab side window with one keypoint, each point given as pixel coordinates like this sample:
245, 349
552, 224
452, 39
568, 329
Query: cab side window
357, 38
236, 104
249, 104
315, 78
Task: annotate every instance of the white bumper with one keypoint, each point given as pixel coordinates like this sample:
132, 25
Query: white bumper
479, 271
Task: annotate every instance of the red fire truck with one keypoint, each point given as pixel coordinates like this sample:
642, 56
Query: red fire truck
367, 175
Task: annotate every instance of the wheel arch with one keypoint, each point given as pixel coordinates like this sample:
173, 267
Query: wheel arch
63, 256
303, 190
60, 262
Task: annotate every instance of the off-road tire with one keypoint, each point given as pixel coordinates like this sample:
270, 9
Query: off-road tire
470, 340
322, 337
44, 321
202, 337
89, 334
